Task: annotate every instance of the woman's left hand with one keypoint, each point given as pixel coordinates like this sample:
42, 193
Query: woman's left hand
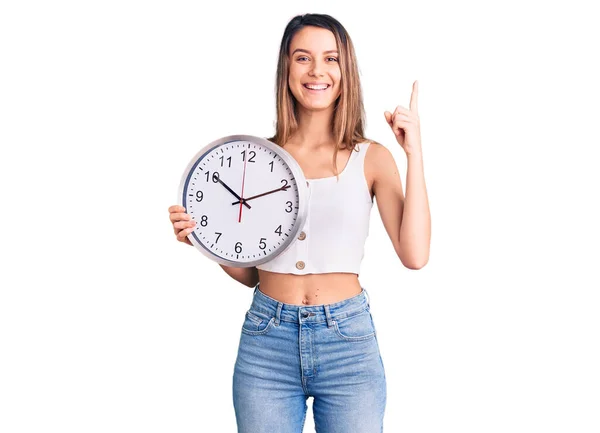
406, 125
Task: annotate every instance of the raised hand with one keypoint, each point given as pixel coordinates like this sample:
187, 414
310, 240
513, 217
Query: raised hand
406, 125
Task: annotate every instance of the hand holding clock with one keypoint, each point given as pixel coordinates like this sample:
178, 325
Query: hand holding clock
182, 223
204, 219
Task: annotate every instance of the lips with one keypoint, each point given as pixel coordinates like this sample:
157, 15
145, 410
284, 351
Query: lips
317, 86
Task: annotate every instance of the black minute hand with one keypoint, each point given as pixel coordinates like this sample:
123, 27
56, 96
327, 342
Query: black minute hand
283, 188
235, 195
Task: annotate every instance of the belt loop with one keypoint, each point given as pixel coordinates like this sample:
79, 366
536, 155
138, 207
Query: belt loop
368, 297
278, 313
330, 321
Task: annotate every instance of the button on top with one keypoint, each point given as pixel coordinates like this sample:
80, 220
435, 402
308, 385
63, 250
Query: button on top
300, 264
302, 236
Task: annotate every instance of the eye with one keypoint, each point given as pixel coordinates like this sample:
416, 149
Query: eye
302, 57
334, 58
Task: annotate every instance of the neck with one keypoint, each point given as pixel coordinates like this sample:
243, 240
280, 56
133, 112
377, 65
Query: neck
314, 128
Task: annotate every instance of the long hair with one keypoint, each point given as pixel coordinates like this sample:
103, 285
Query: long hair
349, 115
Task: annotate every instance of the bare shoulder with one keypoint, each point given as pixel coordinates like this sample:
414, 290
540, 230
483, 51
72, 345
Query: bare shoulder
377, 153
379, 163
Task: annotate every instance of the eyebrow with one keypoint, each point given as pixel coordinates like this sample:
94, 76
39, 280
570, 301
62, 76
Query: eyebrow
308, 52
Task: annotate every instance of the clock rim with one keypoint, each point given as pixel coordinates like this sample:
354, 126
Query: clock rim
301, 183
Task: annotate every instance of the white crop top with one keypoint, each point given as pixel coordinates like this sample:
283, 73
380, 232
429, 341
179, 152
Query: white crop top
336, 225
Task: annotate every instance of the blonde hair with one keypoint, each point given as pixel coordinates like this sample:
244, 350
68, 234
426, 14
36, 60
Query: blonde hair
349, 114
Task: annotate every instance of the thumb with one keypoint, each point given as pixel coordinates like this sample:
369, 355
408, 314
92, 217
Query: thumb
388, 117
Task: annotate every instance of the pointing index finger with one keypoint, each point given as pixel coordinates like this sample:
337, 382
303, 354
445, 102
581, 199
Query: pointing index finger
413, 97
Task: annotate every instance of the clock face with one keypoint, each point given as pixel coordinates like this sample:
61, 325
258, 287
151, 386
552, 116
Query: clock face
248, 198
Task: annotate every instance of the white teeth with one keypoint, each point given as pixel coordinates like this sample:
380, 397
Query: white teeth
317, 87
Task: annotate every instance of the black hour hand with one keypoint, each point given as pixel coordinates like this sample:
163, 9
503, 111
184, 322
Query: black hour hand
233, 192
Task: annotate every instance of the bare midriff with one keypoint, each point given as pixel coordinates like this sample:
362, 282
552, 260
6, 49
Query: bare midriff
311, 289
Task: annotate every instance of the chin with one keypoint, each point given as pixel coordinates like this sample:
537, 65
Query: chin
318, 107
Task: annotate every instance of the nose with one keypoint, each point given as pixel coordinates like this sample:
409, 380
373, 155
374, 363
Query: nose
317, 69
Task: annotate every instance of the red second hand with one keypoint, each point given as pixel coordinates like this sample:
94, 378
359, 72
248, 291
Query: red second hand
242, 196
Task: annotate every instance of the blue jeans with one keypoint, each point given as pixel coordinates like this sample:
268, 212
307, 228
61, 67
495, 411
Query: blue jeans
288, 353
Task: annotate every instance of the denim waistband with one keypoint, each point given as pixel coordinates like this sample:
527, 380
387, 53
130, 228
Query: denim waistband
309, 313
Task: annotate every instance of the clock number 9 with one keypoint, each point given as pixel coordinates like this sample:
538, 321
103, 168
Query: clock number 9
262, 245
199, 196
238, 247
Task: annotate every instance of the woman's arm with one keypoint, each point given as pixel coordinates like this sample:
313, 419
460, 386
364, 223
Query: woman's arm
246, 276
415, 230
406, 219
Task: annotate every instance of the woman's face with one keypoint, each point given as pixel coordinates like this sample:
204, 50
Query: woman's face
314, 63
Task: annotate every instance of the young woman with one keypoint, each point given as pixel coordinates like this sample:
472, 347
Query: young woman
309, 330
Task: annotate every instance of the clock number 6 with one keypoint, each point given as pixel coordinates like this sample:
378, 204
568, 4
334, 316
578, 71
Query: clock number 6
238, 247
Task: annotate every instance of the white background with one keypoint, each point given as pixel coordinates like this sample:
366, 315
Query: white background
107, 324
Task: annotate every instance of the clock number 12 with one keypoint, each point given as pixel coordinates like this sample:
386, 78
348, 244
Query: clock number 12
252, 155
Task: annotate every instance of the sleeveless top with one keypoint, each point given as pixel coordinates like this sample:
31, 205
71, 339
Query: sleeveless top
336, 225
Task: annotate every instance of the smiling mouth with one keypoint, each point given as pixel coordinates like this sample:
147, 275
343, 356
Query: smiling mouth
317, 88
